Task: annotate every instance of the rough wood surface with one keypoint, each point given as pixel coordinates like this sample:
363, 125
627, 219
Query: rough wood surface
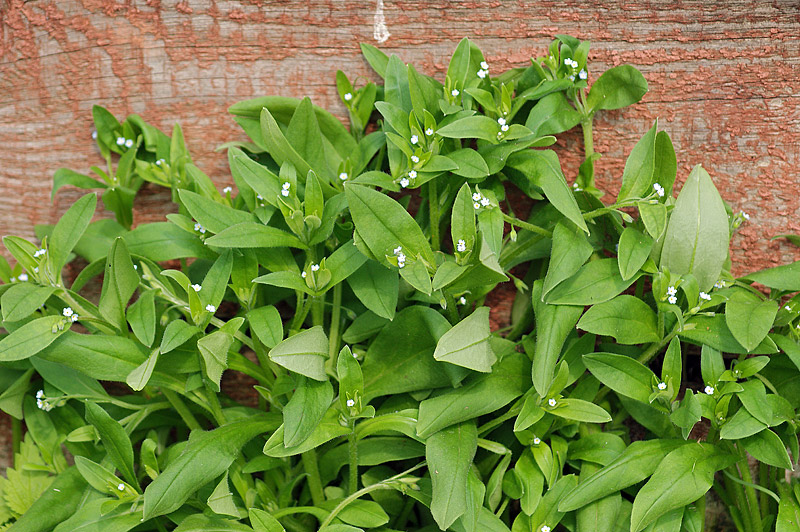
724, 81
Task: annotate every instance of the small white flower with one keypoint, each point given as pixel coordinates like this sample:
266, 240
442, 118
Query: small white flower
284, 193
40, 394
462, 300
159, 162
211, 308
429, 131
582, 74
662, 385
719, 284
504, 128
454, 92
484, 65
461, 246
545, 528
303, 275
400, 263
36, 270
552, 402
39, 252
572, 77
23, 277
672, 300
568, 61
499, 135
709, 390
745, 215
121, 487
412, 174
414, 159
501, 121
401, 257
94, 135
129, 143
351, 403
67, 312
120, 141
485, 202
397, 250
196, 287
482, 74
574, 64
315, 267
414, 139
659, 190
74, 318
476, 205
705, 296
227, 190
476, 196
404, 182
13, 279
671, 291
348, 96
787, 308
536, 440
343, 176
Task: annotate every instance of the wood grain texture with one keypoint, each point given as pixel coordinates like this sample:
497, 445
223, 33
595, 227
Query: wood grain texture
724, 82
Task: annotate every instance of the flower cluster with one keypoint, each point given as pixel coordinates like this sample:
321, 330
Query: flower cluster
479, 200
42, 403
284, 189
401, 258
705, 296
672, 295
659, 190
484, 71
122, 141
160, 162
39, 253
406, 180
199, 228
69, 313
503, 127
574, 65
461, 246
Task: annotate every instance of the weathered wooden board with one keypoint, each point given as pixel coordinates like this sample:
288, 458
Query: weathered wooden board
724, 81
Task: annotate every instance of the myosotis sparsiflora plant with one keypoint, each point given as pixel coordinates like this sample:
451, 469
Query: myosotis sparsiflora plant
345, 278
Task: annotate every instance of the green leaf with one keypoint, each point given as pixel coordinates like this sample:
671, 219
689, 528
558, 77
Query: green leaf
628, 319
467, 343
206, 456
548, 512
139, 377
449, 454
56, 504
543, 169
552, 115
622, 374
654, 217
22, 299
264, 522
90, 517
305, 409
634, 248
554, 323
214, 350
785, 277
407, 342
328, 429
212, 215
749, 317
254, 235
65, 176
666, 164
258, 177
579, 410
376, 287
304, 135
598, 448
714, 332
115, 440
697, 235
396, 89
637, 177
221, 500
569, 252
741, 425
478, 127
120, 282
754, 398
266, 323
617, 87
458, 69
165, 241
278, 146
469, 164
69, 229
384, 225
635, 464
682, 477
304, 353
176, 334
788, 518
597, 281
31, 338
207, 523
478, 396
142, 318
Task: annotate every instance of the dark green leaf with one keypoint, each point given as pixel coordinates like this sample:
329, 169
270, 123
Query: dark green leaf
627, 319
449, 454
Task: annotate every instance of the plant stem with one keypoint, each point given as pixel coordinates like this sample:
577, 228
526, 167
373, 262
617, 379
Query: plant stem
588, 145
180, 407
528, 226
336, 318
16, 434
452, 311
314, 481
352, 443
318, 310
402, 517
750, 494
433, 212
383, 485
213, 403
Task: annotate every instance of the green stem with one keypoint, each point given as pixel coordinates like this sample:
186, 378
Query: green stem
452, 311
16, 434
402, 517
213, 403
352, 443
318, 310
527, 226
180, 407
700, 504
303, 306
383, 485
433, 212
336, 318
588, 145
763, 477
750, 494
515, 409
314, 480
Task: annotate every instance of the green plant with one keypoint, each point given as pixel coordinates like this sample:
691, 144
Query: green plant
635, 376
